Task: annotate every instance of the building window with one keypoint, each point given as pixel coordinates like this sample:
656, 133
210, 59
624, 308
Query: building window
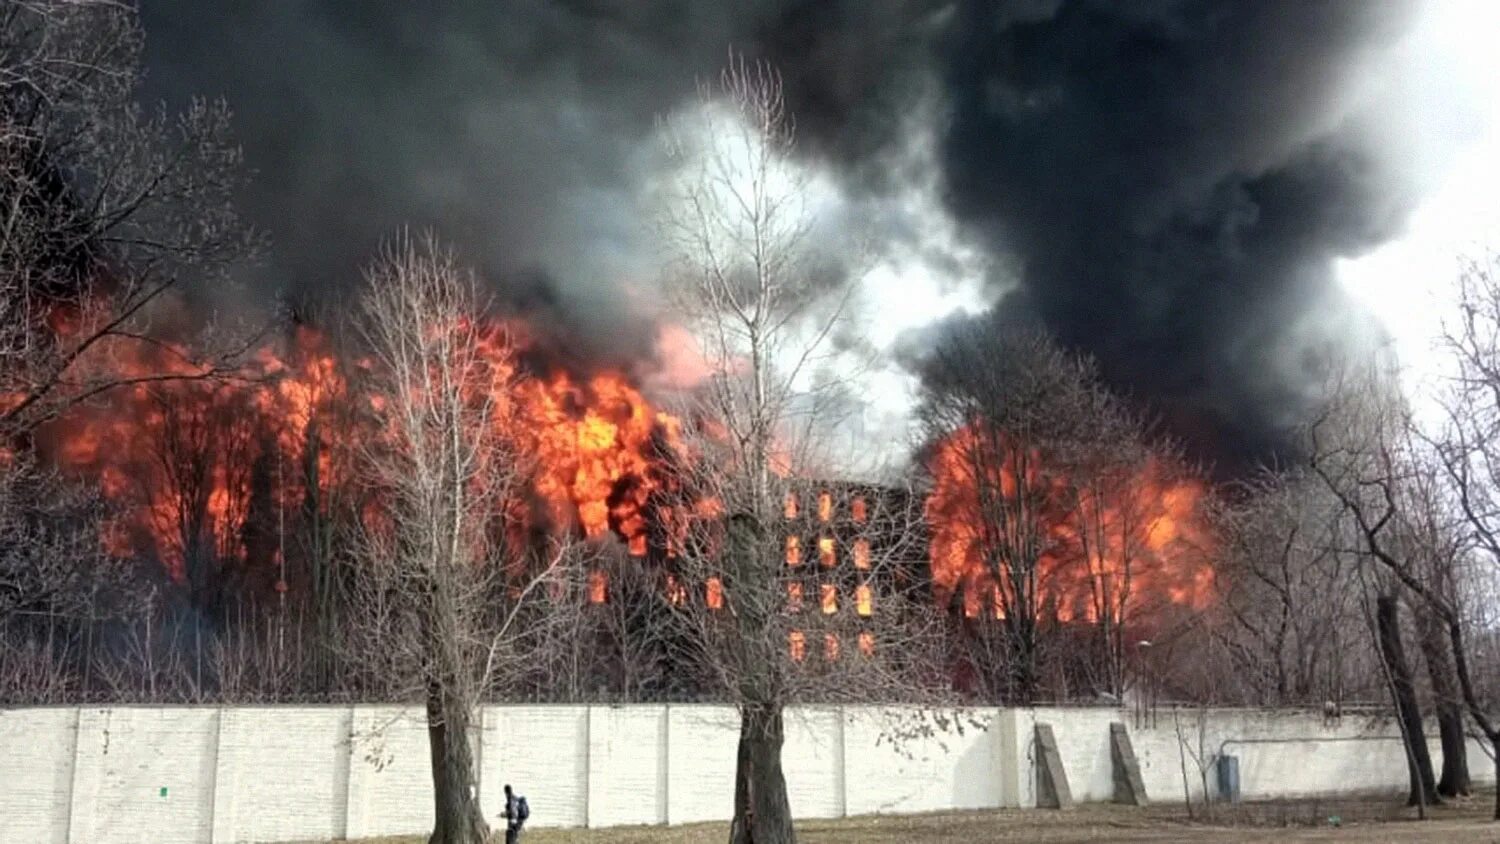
598, 586
793, 551
715, 593
864, 600
830, 647
862, 554
825, 506
790, 506
867, 643
796, 645
857, 510
829, 598
826, 554
794, 597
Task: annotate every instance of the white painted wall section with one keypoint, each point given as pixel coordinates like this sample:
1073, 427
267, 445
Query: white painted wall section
701, 745
627, 756
36, 777
544, 752
94, 775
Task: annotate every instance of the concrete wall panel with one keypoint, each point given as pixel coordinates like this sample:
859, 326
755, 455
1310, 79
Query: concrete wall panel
390, 772
36, 776
282, 774
701, 744
627, 759
542, 751
813, 761
154, 779
911, 760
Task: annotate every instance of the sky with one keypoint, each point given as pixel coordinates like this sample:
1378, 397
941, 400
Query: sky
1452, 69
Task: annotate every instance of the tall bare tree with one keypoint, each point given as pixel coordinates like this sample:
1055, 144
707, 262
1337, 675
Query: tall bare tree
104, 211
1466, 448
766, 624
1360, 444
1288, 609
432, 548
1025, 442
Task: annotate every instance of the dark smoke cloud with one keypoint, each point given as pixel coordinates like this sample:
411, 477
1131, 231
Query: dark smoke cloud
1171, 177
1176, 177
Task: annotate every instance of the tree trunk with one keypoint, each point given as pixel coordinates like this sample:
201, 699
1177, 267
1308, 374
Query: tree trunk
1495, 752
1418, 760
762, 814
456, 797
1454, 779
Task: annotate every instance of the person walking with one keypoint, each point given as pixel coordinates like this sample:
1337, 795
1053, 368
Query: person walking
516, 815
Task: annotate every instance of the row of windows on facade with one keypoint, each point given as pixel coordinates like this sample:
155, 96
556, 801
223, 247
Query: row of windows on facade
713, 598
796, 645
828, 555
858, 511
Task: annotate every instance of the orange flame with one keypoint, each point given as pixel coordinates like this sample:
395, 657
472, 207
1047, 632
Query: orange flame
828, 598
289, 425
1146, 545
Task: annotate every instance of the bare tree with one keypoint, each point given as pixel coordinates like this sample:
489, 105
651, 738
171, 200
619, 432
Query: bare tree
104, 211
1430, 536
763, 623
1360, 445
1466, 451
1288, 609
442, 385
1033, 503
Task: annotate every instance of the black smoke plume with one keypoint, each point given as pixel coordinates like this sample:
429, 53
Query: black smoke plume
1169, 179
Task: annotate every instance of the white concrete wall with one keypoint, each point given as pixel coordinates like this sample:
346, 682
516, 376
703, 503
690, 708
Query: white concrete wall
199, 774
544, 751
36, 774
1281, 754
701, 742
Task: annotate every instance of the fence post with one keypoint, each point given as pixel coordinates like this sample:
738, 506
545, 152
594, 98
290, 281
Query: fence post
89, 745
353, 790
588, 769
224, 785
666, 764
843, 757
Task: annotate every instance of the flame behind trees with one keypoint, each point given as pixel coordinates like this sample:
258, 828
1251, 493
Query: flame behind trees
1050, 504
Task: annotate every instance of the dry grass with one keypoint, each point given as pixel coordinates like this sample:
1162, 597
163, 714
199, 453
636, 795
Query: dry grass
1360, 820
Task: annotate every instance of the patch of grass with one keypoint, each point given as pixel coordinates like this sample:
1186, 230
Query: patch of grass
1366, 820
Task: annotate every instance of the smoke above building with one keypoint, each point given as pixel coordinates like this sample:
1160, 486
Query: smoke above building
1165, 184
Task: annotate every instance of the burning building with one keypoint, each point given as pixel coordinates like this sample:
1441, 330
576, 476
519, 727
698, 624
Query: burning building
231, 486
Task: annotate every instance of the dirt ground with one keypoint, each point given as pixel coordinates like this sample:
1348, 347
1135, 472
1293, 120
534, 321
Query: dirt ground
1365, 820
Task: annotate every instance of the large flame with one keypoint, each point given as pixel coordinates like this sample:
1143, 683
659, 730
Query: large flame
1141, 543
184, 460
